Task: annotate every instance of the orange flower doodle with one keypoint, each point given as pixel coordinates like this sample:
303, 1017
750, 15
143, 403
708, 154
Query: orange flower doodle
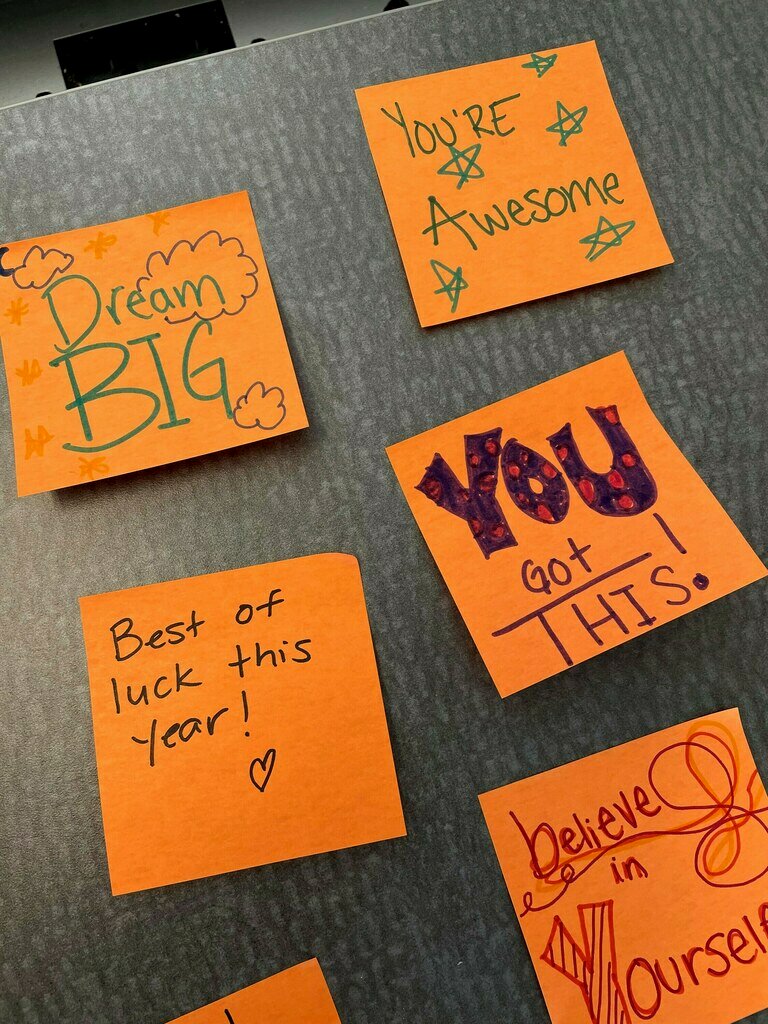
17, 310
99, 245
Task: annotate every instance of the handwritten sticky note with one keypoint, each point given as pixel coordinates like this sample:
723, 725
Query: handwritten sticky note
142, 342
508, 181
565, 521
238, 721
639, 878
296, 996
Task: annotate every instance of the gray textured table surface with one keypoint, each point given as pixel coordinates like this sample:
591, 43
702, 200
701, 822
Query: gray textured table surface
416, 930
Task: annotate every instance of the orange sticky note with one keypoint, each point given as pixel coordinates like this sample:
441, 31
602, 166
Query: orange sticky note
238, 721
296, 996
508, 181
639, 878
141, 342
565, 522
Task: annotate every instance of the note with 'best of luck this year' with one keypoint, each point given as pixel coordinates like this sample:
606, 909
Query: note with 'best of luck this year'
565, 521
296, 996
142, 342
509, 181
638, 876
238, 720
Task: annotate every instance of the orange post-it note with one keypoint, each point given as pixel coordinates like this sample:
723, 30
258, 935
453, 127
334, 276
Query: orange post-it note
238, 720
508, 181
142, 342
565, 521
296, 996
638, 876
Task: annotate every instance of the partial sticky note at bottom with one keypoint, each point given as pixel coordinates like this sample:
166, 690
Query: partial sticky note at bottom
296, 996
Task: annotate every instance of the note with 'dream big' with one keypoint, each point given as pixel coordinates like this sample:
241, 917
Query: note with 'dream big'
142, 342
509, 181
238, 721
565, 521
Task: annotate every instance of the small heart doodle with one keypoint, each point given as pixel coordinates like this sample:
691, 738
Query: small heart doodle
261, 769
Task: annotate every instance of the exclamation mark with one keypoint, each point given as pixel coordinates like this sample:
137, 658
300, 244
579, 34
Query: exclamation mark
669, 535
700, 581
245, 709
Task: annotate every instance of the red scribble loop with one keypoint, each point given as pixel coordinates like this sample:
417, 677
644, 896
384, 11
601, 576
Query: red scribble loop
730, 817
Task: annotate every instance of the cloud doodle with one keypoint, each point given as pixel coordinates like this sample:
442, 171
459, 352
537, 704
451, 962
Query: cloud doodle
39, 267
206, 279
260, 406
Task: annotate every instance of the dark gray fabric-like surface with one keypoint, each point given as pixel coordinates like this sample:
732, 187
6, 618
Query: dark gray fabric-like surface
415, 930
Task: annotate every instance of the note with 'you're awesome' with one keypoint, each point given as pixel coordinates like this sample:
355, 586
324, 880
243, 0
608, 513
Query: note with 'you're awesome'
509, 181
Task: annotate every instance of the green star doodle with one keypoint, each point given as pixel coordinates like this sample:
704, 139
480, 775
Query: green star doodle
539, 64
569, 122
470, 169
453, 285
605, 236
